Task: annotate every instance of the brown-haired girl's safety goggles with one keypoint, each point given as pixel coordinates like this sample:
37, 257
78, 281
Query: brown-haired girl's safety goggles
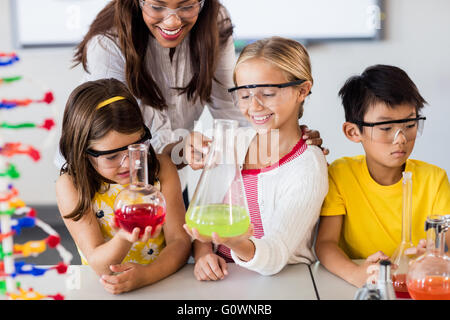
114, 158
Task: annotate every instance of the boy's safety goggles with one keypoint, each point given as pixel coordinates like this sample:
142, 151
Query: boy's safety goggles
389, 131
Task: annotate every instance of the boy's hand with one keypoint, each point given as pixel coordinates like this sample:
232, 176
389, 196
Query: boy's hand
210, 267
312, 137
417, 251
368, 271
129, 276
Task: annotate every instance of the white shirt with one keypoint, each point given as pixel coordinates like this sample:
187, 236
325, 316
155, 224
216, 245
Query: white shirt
105, 60
289, 198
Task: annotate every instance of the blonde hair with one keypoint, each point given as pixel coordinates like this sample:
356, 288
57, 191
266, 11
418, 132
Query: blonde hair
287, 54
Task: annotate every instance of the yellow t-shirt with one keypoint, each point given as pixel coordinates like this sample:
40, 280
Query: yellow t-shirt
373, 213
140, 252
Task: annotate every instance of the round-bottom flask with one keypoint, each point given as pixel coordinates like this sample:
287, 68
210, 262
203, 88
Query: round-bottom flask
429, 275
139, 204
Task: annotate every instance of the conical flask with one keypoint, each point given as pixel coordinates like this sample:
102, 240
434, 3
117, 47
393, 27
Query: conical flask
400, 258
429, 275
139, 204
219, 203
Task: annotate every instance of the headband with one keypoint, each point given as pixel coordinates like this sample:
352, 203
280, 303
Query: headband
110, 100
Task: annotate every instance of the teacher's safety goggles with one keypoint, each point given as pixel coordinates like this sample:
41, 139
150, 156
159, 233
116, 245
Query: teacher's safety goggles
158, 12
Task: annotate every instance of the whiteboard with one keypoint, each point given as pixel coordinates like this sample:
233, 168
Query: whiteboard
305, 19
65, 22
53, 22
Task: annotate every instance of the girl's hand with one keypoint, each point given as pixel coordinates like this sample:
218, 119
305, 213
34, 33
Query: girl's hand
210, 267
229, 242
368, 271
134, 235
196, 149
130, 276
195, 235
232, 242
312, 137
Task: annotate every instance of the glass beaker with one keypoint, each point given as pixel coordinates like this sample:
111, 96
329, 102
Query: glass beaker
219, 203
139, 204
399, 257
429, 275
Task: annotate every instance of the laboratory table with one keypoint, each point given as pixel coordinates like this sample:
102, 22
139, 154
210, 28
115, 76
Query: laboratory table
294, 282
330, 286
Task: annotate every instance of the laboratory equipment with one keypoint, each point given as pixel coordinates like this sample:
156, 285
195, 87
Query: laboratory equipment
139, 204
429, 275
399, 257
219, 203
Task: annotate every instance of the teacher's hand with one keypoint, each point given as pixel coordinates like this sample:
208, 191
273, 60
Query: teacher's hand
312, 137
196, 149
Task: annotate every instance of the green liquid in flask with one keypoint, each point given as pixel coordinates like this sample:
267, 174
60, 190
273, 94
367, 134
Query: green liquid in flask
217, 218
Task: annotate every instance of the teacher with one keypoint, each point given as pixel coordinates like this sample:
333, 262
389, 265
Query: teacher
175, 56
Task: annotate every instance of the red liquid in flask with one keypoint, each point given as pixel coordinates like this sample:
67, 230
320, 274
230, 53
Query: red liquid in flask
141, 216
400, 288
430, 288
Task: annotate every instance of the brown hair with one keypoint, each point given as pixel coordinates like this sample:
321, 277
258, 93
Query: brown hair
83, 123
121, 20
288, 55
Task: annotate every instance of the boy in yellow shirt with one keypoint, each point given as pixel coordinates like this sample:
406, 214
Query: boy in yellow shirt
361, 217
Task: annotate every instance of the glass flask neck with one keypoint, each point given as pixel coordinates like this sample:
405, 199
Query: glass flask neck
407, 207
138, 154
224, 141
436, 226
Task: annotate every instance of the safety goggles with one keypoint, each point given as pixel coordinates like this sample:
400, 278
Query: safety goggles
115, 158
267, 95
388, 131
158, 12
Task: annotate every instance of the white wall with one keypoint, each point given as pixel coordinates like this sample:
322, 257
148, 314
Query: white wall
49, 67
416, 39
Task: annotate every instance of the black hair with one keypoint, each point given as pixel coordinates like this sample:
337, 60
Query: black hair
379, 83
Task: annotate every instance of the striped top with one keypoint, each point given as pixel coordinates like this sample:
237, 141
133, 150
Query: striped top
250, 179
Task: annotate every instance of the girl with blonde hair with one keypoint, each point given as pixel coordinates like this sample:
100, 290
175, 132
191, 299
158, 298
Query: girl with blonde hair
284, 191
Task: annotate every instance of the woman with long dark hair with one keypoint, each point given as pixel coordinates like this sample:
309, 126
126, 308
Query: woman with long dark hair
175, 56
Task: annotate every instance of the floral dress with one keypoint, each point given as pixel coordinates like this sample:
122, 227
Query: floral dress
140, 252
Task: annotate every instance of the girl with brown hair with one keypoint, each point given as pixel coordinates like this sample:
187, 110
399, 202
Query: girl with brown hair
100, 120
